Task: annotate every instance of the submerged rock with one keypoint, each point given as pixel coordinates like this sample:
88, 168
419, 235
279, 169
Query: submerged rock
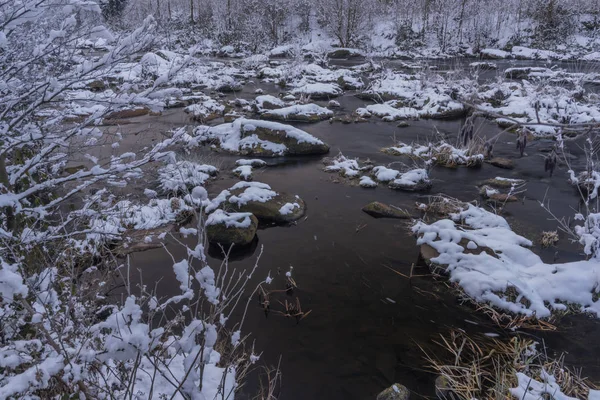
128, 113
380, 210
231, 228
502, 163
395, 392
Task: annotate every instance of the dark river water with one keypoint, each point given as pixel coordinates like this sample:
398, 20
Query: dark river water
367, 322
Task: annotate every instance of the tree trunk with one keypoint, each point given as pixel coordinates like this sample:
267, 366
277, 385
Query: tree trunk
8, 211
192, 12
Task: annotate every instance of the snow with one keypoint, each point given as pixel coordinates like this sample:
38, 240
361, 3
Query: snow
367, 182
252, 191
494, 53
260, 102
413, 96
384, 174
307, 110
207, 108
244, 172
236, 220
412, 177
531, 389
319, 90
288, 208
253, 162
182, 175
485, 278
238, 135
348, 167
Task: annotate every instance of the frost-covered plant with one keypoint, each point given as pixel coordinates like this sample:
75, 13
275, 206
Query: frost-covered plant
62, 335
181, 176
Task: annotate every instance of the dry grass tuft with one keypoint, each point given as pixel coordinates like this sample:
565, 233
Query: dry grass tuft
549, 238
485, 368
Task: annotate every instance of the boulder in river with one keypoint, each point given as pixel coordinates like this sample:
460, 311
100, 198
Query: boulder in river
380, 210
261, 138
416, 180
299, 113
395, 392
231, 228
265, 204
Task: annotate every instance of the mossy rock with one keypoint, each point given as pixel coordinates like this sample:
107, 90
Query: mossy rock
269, 211
380, 210
395, 392
222, 234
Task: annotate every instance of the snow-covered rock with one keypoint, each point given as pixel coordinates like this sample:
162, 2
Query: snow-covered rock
231, 228
319, 91
416, 180
299, 112
261, 138
263, 202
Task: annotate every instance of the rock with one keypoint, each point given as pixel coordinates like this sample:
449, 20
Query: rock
422, 186
524, 73
130, 113
142, 240
403, 124
395, 392
380, 210
443, 390
268, 102
503, 182
502, 163
502, 198
276, 207
230, 87
427, 253
344, 53
298, 113
294, 146
495, 196
231, 228
260, 138
96, 86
